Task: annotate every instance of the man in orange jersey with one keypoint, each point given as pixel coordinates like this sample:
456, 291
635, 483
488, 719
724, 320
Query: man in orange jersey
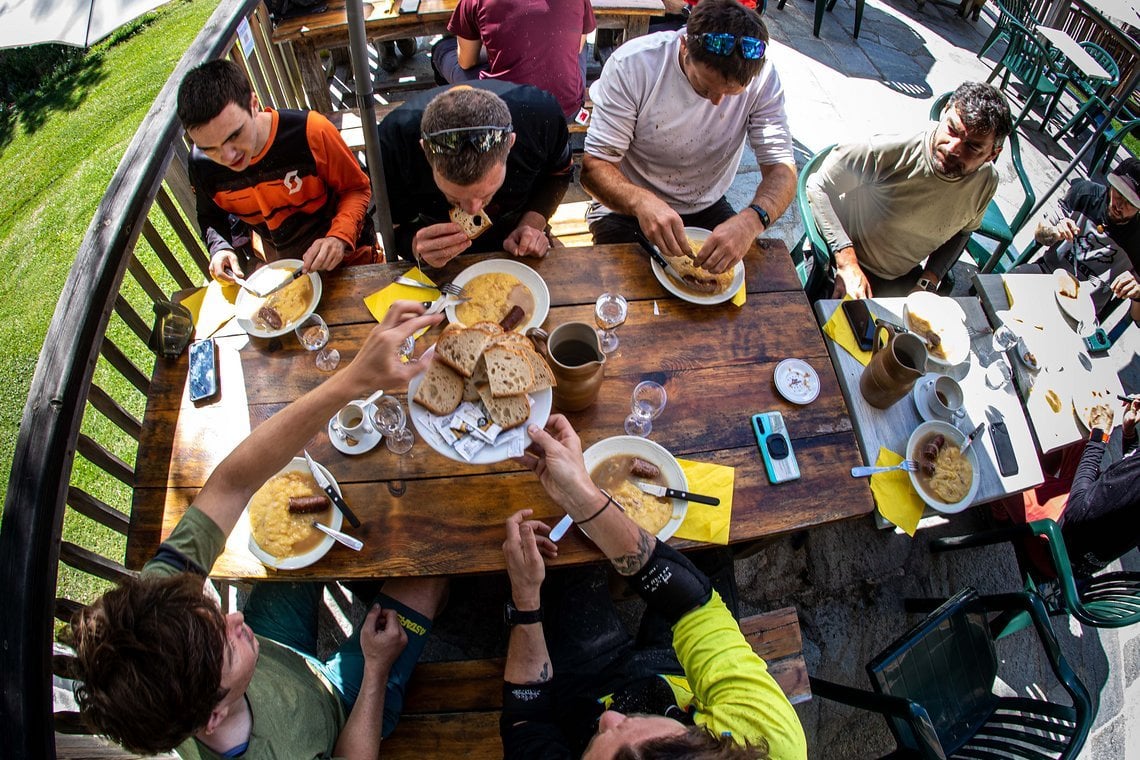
275, 184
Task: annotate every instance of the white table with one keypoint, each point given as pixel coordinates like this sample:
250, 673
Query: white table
890, 428
1072, 50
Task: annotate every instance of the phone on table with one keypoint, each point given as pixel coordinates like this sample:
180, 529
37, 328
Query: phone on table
1098, 342
775, 447
862, 323
203, 370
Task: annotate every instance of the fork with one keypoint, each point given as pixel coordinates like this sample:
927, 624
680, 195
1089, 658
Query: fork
909, 465
453, 289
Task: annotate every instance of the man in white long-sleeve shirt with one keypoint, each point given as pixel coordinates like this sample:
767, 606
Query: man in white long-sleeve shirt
671, 115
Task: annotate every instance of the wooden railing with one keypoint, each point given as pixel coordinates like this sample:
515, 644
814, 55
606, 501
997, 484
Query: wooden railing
145, 227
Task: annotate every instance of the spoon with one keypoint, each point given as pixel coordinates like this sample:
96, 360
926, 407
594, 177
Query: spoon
341, 538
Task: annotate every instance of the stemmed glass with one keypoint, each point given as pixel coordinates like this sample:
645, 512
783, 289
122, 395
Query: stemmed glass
407, 349
647, 404
610, 311
392, 421
313, 333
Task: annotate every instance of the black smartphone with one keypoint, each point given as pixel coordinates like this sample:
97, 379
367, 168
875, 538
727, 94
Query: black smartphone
861, 322
203, 370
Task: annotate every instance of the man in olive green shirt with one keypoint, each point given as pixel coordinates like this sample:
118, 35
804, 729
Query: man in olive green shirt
162, 668
886, 205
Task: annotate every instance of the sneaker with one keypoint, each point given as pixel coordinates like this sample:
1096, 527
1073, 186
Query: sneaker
407, 46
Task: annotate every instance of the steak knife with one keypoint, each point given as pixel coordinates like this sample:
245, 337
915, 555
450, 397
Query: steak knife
1003, 447
334, 497
294, 275
655, 254
656, 490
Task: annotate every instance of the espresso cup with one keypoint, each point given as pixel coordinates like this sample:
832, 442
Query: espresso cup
944, 397
352, 420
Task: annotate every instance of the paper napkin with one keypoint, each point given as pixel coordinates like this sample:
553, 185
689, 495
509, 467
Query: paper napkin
839, 330
379, 302
741, 295
702, 522
894, 495
211, 307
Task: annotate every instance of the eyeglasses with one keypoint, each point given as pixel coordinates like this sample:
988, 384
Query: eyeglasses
449, 142
723, 43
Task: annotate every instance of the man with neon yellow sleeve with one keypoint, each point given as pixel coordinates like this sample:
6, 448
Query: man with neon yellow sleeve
582, 686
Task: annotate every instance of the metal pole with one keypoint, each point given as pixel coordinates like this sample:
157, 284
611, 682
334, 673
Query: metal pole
358, 51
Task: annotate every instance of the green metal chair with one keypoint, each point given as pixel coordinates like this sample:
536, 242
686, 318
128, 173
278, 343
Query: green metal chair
934, 686
816, 283
1085, 89
1027, 61
1108, 600
828, 5
1110, 142
1018, 11
994, 224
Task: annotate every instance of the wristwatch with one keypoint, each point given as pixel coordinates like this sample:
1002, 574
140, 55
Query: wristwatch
927, 284
513, 616
764, 218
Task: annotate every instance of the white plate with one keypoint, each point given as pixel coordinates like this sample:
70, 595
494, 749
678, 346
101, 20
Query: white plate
301, 560
954, 437
699, 234
797, 381
1079, 309
643, 448
1085, 398
947, 319
264, 279
421, 418
527, 276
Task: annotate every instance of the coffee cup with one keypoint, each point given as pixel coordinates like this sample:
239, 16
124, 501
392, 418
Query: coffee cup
944, 398
352, 421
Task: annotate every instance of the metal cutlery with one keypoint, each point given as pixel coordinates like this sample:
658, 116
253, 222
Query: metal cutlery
655, 254
245, 285
341, 538
656, 490
294, 275
909, 465
447, 287
327, 486
970, 438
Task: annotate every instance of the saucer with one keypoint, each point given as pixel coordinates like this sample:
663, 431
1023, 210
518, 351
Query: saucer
366, 443
924, 410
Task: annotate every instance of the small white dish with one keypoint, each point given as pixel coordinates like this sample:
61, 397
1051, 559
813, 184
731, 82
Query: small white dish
947, 319
531, 279
797, 381
1080, 309
654, 453
263, 279
699, 234
336, 522
364, 443
920, 394
954, 437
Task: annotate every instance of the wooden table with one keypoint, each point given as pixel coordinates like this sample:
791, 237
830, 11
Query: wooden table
424, 514
1074, 53
1051, 335
309, 34
890, 428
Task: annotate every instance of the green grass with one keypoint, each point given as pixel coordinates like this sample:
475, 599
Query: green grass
56, 166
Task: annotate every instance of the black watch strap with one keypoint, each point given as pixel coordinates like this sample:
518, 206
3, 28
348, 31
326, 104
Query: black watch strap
764, 218
513, 616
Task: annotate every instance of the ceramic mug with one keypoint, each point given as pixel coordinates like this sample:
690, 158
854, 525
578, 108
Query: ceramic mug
944, 398
353, 421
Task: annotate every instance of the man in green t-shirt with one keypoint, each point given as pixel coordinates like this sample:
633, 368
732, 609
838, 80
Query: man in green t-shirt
162, 668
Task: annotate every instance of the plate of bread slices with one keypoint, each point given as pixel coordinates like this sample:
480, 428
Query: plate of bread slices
483, 387
699, 286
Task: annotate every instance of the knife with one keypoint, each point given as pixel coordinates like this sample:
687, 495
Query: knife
559, 530
327, 487
970, 438
416, 283
1003, 447
655, 254
656, 490
296, 273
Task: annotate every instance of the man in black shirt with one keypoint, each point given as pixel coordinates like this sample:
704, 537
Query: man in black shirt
1102, 229
492, 149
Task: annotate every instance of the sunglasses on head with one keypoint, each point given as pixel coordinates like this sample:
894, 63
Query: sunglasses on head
449, 142
723, 43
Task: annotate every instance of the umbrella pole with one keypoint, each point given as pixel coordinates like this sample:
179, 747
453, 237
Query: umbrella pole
358, 51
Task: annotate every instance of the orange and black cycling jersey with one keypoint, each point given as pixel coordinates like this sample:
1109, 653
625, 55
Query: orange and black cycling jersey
305, 184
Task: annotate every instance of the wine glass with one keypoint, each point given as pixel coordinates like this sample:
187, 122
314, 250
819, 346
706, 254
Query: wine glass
647, 404
313, 334
407, 349
609, 314
392, 421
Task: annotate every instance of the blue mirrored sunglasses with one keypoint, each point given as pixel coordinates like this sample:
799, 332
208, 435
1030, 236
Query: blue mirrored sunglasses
450, 141
723, 43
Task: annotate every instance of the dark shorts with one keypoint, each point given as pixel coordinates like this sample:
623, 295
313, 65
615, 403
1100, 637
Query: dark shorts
608, 228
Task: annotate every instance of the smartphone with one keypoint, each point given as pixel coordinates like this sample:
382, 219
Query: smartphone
203, 370
862, 324
775, 447
1098, 342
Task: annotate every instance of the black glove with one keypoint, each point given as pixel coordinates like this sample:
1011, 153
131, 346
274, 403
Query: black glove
671, 584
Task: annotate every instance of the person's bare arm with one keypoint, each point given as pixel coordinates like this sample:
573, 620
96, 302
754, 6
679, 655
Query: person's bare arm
471, 52
661, 224
382, 639
528, 661
732, 238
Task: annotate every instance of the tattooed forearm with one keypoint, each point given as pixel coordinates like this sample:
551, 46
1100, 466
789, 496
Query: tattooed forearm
628, 564
544, 674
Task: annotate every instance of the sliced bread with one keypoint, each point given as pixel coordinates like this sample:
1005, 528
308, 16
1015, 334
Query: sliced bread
479, 376
509, 372
461, 349
441, 389
543, 376
508, 411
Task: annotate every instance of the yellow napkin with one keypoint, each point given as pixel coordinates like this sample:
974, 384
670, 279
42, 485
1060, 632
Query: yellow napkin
741, 295
1008, 295
894, 495
211, 307
839, 330
379, 302
702, 522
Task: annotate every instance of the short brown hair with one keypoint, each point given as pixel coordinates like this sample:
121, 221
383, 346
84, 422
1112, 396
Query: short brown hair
466, 106
696, 743
207, 89
725, 16
149, 654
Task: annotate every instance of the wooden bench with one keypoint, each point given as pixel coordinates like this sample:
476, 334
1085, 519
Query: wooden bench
452, 708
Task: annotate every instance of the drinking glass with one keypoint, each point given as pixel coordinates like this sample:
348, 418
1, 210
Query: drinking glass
407, 349
313, 334
392, 421
647, 404
1004, 338
610, 311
